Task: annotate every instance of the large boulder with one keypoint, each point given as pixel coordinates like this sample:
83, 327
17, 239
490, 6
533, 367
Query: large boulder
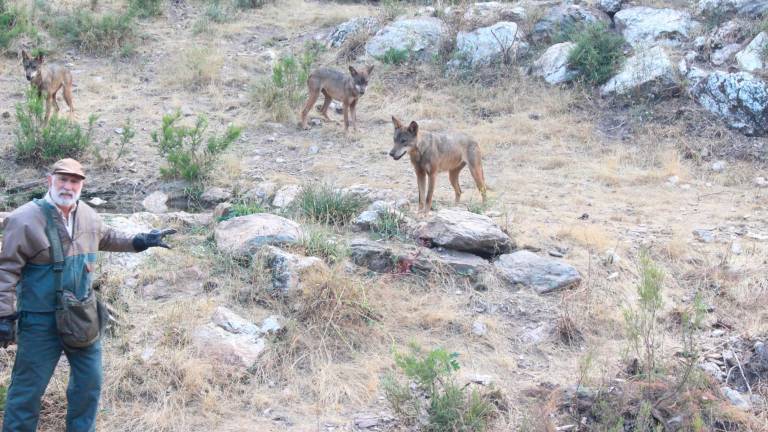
564, 17
465, 231
287, 270
747, 8
524, 268
125, 262
156, 202
484, 14
286, 195
240, 350
648, 26
609, 6
728, 33
343, 31
740, 99
246, 234
723, 55
755, 56
234, 323
648, 74
500, 42
552, 66
421, 36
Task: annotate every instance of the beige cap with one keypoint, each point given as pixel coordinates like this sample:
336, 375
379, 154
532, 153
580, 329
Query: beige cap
68, 166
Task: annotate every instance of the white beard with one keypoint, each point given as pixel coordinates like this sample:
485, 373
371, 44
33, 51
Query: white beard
63, 201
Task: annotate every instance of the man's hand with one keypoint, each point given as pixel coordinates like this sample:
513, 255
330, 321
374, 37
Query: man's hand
154, 238
8, 330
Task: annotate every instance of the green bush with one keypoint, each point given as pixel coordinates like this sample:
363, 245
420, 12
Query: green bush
251, 4
13, 23
189, 155
321, 203
598, 53
41, 143
395, 56
106, 155
98, 35
388, 225
146, 8
450, 407
219, 12
282, 92
643, 328
243, 209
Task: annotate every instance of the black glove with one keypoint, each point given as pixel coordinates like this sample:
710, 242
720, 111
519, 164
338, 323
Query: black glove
154, 238
8, 330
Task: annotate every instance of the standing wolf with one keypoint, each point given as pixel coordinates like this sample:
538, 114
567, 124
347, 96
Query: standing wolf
48, 79
433, 153
335, 85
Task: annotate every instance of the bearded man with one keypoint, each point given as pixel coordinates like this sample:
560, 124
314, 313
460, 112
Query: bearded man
47, 260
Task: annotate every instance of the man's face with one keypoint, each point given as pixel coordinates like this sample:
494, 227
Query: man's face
65, 189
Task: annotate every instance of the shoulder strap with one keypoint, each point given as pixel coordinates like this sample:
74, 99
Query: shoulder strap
57, 251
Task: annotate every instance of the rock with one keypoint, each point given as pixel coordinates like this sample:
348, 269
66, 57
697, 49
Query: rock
239, 350
464, 231
741, 99
155, 202
553, 64
421, 36
713, 370
754, 56
724, 54
272, 324
563, 17
747, 8
175, 284
736, 398
761, 182
479, 329
187, 220
366, 220
222, 211
501, 42
704, 235
609, 6
313, 149
215, 195
736, 248
285, 196
233, 323
647, 26
647, 74
366, 421
729, 33
542, 274
125, 262
348, 28
97, 202
244, 235
262, 192
486, 14
287, 270
461, 263
719, 166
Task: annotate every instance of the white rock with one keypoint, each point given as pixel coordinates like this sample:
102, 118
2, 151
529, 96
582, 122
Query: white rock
748, 8
155, 202
553, 64
239, 350
648, 74
488, 45
245, 234
647, 26
484, 14
479, 329
718, 166
96, 202
754, 57
461, 230
285, 196
540, 273
741, 99
562, 17
724, 54
233, 322
609, 6
348, 28
422, 37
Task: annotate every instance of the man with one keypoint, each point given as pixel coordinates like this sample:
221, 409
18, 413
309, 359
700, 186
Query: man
28, 294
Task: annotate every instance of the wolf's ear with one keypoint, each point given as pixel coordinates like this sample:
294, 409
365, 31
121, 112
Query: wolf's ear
352, 71
413, 128
397, 123
370, 69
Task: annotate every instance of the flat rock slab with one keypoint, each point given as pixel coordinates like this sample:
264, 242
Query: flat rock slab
465, 231
543, 274
244, 235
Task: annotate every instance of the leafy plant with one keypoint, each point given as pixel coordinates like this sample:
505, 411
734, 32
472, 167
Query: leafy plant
395, 56
188, 152
597, 54
321, 203
39, 142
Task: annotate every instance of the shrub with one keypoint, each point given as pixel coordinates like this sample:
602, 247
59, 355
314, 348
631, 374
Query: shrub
219, 12
251, 4
388, 225
41, 143
187, 152
98, 35
282, 92
450, 407
597, 54
146, 8
197, 67
391, 9
321, 203
243, 209
395, 56
106, 155
13, 23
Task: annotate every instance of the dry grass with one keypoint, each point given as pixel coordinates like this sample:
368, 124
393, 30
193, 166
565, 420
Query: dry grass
591, 236
195, 67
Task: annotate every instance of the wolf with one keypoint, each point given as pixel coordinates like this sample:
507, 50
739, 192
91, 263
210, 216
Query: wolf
334, 84
48, 79
433, 153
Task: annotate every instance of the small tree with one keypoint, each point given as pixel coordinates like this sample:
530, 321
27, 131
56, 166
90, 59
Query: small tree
598, 53
189, 155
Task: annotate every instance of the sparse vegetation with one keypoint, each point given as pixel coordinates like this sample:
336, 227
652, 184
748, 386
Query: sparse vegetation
112, 32
146, 8
449, 407
243, 208
320, 242
38, 142
190, 152
389, 225
282, 92
391, 9
322, 203
196, 66
106, 155
395, 56
597, 54
14, 22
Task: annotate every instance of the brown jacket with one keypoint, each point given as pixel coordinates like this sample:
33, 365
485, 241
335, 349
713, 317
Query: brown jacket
25, 243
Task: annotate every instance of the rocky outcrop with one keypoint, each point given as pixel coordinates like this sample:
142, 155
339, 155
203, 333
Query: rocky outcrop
648, 74
564, 17
244, 235
421, 37
740, 99
501, 42
648, 26
552, 66
543, 274
464, 231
